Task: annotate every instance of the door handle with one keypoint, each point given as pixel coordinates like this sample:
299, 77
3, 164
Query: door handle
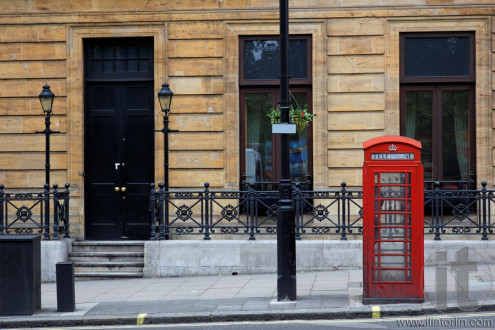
117, 166
123, 189
117, 189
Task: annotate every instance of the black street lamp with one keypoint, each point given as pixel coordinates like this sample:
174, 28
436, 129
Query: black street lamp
286, 237
165, 98
46, 98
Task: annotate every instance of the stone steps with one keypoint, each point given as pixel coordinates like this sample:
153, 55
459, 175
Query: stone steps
107, 259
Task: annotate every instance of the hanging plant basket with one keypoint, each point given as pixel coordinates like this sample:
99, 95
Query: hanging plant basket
300, 125
300, 117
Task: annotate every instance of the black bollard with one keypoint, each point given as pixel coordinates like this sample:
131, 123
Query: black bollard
66, 300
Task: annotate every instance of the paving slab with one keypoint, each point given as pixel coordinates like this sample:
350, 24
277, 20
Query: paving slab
320, 295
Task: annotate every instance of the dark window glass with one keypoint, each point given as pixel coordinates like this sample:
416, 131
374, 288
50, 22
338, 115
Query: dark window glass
456, 135
262, 59
437, 101
437, 57
114, 57
419, 125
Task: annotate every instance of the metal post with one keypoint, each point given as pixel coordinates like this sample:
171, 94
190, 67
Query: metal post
286, 238
47, 148
47, 131
165, 132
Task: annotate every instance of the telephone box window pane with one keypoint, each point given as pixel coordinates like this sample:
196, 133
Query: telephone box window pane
393, 275
419, 125
455, 122
393, 233
393, 178
392, 247
262, 59
393, 205
393, 192
397, 261
437, 57
392, 219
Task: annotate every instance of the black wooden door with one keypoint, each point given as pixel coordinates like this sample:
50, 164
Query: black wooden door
119, 159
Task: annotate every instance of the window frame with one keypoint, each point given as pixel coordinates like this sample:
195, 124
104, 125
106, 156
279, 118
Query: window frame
272, 86
276, 143
438, 79
437, 85
257, 82
437, 125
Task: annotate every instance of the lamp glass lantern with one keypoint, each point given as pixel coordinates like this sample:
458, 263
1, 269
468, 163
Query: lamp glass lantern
165, 98
46, 98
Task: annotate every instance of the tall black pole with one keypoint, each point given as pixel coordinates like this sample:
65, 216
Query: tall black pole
47, 132
286, 238
163, 232
165, 143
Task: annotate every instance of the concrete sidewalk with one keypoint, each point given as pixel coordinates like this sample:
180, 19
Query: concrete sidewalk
321, 295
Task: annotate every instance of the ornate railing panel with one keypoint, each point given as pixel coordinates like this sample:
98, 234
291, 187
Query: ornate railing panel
252, 213
31, 212
328, 212
458, 212
338, 212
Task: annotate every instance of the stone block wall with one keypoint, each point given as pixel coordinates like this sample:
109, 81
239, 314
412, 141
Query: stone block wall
355, 80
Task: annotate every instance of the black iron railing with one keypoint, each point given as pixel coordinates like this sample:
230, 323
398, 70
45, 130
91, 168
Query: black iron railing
45, 213
459, 212
252, 213
338, 212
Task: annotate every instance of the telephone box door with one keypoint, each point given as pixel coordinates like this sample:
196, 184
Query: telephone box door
393, 221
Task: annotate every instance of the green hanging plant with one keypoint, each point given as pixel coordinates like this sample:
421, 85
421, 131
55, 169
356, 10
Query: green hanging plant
300, 117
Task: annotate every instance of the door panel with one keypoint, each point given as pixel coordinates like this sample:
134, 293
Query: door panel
138, 156
119, 156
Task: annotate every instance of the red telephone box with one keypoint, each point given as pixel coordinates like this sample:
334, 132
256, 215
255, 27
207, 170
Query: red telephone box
393, 221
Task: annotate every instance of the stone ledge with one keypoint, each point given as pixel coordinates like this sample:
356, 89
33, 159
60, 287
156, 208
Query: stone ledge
192, 258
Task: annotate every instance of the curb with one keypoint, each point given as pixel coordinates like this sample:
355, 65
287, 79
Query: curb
210, 317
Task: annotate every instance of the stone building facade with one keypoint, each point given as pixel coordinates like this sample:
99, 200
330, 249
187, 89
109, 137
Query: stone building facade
354, 78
